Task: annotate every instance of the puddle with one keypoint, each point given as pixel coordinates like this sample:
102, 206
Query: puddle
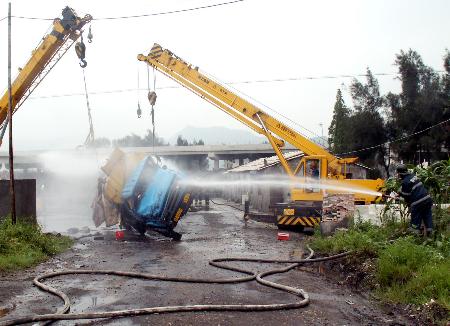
91, 301
63, 222
80, 246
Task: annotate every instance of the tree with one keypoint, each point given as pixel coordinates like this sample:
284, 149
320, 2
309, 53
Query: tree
338, 131
181, 141
422, 103
446, 78
200, 142
366, 125
134, 140
148, 139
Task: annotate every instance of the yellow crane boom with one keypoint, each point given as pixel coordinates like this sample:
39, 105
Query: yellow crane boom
52, 47
326, 165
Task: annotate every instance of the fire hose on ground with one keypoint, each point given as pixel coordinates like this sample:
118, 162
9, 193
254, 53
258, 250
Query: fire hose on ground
219, 263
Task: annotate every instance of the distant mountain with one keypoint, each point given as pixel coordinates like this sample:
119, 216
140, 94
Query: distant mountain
217, 136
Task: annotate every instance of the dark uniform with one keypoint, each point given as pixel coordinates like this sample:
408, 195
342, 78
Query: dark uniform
417, 199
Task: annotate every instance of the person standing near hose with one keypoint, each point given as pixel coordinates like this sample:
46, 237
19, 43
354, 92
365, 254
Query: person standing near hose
417, 198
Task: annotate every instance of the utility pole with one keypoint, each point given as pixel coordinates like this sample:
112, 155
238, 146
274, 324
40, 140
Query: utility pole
12, 192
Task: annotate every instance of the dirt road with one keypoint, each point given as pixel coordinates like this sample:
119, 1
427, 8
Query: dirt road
219, 232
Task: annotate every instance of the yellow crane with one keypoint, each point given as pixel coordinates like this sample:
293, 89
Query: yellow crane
304, 203
52, 47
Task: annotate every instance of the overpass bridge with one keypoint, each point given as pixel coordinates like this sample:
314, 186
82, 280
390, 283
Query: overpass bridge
187, 157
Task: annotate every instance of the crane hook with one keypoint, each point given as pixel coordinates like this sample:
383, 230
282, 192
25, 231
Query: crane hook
90, 35
83, 63
152, 97
80, 49
139, 111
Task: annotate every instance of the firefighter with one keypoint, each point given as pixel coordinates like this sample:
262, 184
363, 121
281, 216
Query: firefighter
417, 199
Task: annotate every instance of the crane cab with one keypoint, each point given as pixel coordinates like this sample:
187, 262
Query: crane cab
305, 206
309, 174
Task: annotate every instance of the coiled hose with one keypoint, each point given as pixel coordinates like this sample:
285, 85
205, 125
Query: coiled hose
219, 263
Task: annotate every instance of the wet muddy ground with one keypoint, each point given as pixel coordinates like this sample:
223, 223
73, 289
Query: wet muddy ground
218, 232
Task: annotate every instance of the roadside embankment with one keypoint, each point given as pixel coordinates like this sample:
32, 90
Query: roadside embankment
397, 267
23, 245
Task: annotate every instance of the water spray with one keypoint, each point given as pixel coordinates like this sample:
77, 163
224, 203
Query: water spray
282, 181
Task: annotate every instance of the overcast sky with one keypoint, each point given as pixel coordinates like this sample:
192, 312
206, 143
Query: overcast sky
246, 41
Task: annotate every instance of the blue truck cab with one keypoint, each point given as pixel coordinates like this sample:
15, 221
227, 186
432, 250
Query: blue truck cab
154, 198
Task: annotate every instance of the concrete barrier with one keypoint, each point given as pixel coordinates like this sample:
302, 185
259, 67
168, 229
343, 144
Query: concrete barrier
373, 213
25, 199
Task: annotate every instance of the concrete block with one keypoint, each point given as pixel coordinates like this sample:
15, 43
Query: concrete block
25, 199
337, 211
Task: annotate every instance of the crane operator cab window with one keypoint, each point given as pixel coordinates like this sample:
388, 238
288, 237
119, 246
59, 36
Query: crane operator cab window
312, 173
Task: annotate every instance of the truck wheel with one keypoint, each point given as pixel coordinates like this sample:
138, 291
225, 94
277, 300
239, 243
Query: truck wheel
177, 237
290, 227
141, 229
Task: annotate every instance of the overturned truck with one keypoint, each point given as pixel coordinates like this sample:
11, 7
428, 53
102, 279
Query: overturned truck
140, 194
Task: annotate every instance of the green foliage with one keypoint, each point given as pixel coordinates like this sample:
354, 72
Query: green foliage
134, 140
376, 119
338, 131
399, 262
24, 244
432, 281
362, 127
363, 238
422, 103
393, 208
409, 272
408, 269
182, 141
436, 179
367, 124
199, 143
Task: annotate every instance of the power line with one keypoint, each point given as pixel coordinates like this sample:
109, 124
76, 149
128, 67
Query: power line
146, 15
395, 140
3, 18
241, 82
258, 81
265, 106
313, 78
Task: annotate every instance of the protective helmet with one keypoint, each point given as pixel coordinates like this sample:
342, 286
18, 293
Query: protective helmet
402, 169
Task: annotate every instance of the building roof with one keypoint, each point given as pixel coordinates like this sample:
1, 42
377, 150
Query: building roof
264, 163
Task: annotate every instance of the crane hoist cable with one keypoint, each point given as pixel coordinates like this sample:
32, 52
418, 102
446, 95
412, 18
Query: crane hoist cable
90, 137
152, 99
138, 111
80, 49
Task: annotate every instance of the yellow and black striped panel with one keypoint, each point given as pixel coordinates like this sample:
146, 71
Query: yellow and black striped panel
299, 221
156, 51
178, 214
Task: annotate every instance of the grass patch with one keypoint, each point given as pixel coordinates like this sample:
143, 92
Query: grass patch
23, 245
363, 238
413, 273
407, 269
